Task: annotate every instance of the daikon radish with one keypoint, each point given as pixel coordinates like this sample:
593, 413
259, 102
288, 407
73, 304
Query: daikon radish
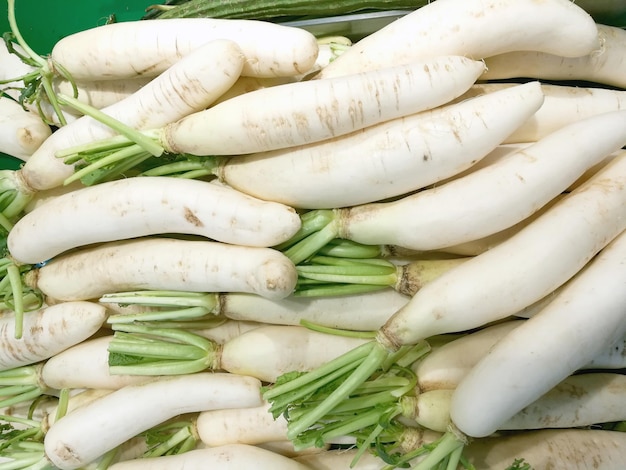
93, 429
145, 263
136, 207
47, 332
386, 160
147, 48
575, 331
228, 330
21, 131
101, 93
604, 66
233, 456
475, 29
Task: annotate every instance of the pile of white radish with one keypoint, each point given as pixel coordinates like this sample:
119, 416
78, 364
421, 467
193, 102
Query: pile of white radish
225, 249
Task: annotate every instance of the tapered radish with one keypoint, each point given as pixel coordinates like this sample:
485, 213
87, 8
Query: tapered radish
147, 48
90, 431
204, 75
389, 159
581, 336
145, 263
604, 66
227, 457
21, 131
136, 207
576, 449
48, 331
495, 197
476, 29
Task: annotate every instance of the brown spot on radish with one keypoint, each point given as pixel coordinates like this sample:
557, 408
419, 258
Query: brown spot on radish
192, 218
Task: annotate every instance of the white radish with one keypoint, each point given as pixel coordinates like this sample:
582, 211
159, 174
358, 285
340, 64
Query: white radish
146, 263
562, 105
576, 336
21, 131
101, 93
495, 197
514, 274
147, 48
136, 207
473, 28
272, 350
47, 332
227, 457
247, 84
386, 160
311, 111
93, 429
203, 75
227, 330
604, 66
574, 449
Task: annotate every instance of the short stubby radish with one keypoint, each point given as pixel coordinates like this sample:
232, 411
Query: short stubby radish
388, 159
136, 207
48, 331
22, 132
311, 111
494, 198
473, 28
90, 431
165, 264
604, 66
147, 48
204, 75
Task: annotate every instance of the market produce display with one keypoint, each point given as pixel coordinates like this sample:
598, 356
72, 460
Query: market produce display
233, 242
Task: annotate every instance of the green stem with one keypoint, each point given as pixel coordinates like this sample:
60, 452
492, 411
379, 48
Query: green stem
164, 298
160, 315
311, 222
308, 246
336, 331
341, 248
448, 444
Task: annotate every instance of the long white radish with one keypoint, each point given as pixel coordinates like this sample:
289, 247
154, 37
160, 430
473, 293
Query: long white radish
562, 105
226, 457
136, 207
146, 263
574, 449
101, 93
147, 48
93, 429
204, 75
473, 28
48, 331
272, 350
21, 131
585, 316
604, 66
495, 197
386, 160
311, 111
514, 274
85, 365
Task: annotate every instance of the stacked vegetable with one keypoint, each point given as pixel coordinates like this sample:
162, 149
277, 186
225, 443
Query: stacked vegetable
267, 252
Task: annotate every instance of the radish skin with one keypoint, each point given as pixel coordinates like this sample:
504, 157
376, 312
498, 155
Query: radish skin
22, 132
575, 449
495, 197
311, 111
605, 66
227, 457
147, 48
136, 207
48, 331
90, 431
388, 159
564, 334
573, 231
146, 263
204, 75
473, 28
270, 351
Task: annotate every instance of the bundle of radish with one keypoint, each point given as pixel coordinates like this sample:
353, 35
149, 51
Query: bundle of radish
301, 112
473, 28
136, 207
495, 197
482, 285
